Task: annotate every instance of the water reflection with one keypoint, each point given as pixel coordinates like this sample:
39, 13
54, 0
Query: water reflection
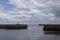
52, 32
34, 32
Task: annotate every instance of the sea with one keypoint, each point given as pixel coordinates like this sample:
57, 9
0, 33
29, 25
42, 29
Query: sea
33, 32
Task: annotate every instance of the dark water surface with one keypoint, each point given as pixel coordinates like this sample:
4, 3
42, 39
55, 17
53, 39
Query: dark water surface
34, 32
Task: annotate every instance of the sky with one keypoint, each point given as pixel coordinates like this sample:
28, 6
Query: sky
30, 11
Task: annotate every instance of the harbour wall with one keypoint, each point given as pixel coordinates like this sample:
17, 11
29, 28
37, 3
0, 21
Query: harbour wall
13, 26
51, 27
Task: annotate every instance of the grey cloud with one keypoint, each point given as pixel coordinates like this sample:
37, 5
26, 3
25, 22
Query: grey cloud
56, 11
24, 9
53, 8
43, 11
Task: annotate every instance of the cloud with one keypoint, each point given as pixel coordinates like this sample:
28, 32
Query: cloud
33, 11
37, 9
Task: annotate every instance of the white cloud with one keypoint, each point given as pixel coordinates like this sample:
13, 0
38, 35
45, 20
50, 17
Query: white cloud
31, 10
38, 9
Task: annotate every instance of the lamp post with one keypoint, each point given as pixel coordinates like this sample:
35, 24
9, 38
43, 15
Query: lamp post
17, 25
17, 22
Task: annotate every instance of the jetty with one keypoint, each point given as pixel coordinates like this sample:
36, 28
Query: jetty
55, 27
13, 26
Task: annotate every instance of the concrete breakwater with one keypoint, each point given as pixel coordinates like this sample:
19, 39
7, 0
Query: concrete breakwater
55, 27
13, 26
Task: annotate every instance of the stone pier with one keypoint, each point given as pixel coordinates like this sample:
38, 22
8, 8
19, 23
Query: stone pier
13, 26
51, 27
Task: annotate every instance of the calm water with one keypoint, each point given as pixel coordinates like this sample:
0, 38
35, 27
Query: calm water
34, 32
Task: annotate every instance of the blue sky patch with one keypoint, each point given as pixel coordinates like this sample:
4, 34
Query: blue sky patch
6, 5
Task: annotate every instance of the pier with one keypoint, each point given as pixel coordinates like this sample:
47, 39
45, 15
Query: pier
13, 26
55, 27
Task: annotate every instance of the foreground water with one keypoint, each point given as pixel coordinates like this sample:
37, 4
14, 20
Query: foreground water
34, 32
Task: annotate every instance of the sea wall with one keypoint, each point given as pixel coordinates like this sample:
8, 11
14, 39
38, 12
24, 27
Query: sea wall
51, 27
13, 26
